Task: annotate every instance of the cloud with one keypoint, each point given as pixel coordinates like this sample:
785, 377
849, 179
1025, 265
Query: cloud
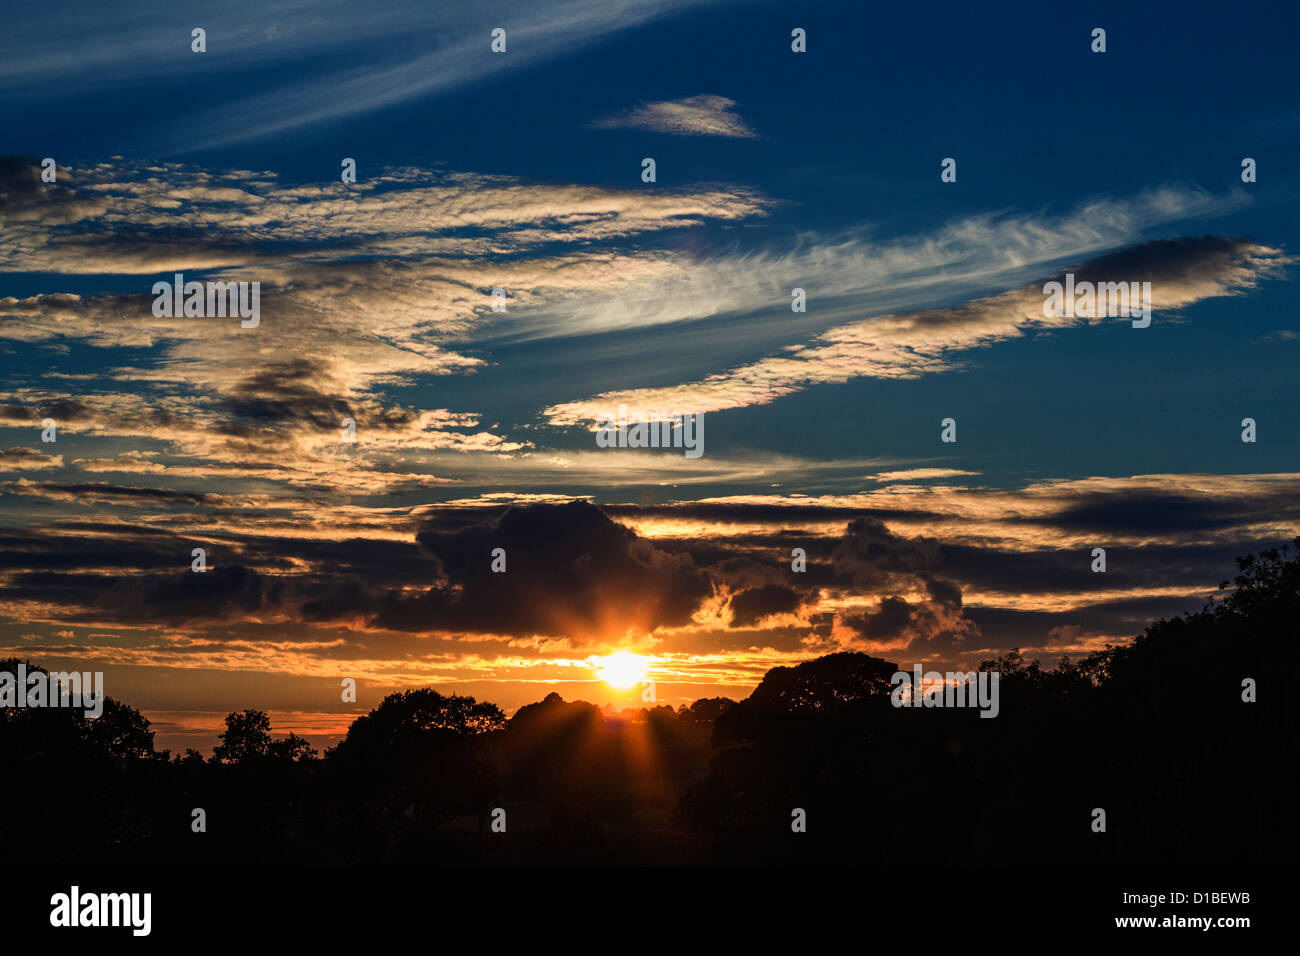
750, 606
921, 474
363, 289
309, 41
909, 345
922, 629
135, 219
702, 115
536, 32
27, 459
387, 284
226, 591
847, 275
949, 575
570, 571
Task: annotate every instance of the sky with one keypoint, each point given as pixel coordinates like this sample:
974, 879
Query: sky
522, 170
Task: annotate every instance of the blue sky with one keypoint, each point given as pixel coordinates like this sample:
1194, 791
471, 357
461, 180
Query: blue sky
775, 170
849, 138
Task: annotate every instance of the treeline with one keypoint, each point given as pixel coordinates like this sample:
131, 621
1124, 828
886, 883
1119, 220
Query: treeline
415, 780
1187, 739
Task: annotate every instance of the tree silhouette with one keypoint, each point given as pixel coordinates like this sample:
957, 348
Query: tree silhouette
414, 762
247, 737
121, 731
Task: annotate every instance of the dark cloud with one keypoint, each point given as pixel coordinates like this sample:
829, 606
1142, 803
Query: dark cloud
941, 591
753, 604
219, 592
1187, 259
286, 393
102, 491
886, 623
990, 568
930, 627
23, 196
1151, 512
570, 570
128, 547
869, 553
61, 410
230, 590
870, 557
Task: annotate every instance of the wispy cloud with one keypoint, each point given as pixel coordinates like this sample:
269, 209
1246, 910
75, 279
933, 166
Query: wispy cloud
314, 41
848, 275
908, 345
460, 54
702, 115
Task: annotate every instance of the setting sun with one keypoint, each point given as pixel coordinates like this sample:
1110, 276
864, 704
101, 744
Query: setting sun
622, 669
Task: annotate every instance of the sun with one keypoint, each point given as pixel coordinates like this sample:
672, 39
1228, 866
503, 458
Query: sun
622, 669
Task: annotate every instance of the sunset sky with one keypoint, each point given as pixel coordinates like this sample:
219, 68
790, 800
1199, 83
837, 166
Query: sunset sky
775, 170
